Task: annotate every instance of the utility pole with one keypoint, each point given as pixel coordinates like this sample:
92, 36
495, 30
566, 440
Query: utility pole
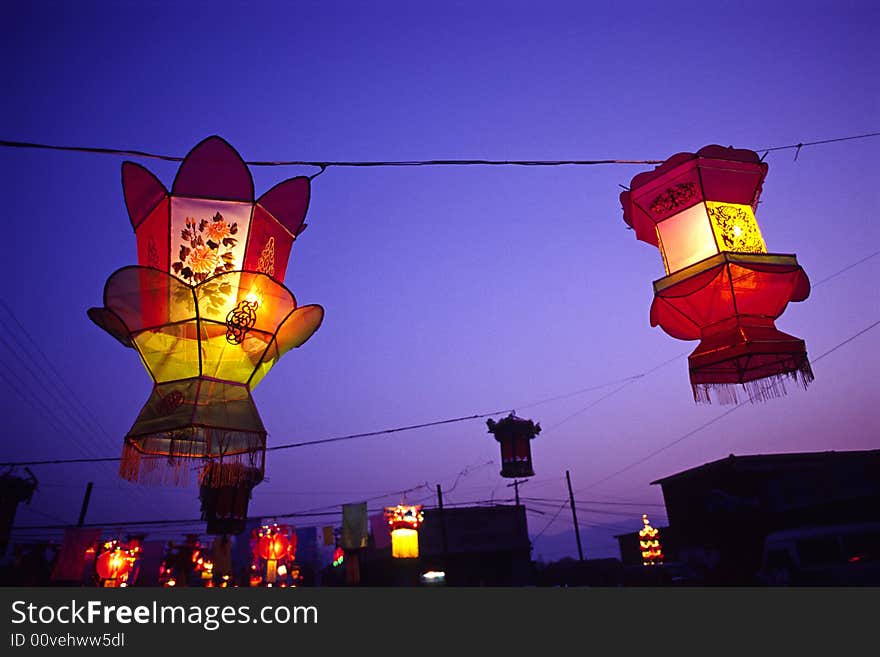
515, 484
442, 522
85, 505
574, 516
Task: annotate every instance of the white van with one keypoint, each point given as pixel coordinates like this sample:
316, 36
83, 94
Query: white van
829, 555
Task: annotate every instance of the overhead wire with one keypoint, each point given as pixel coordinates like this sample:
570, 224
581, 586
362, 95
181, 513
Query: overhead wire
717, 418
626, 381
324, 164
66, 400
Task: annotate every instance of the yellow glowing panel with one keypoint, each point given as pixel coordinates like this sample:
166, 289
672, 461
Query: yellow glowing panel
735, 227
686, 238
405, 543
224, 360
170, 352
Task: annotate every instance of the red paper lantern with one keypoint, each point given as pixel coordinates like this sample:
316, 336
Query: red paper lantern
115, 562
722, 287
515, 435
276, 545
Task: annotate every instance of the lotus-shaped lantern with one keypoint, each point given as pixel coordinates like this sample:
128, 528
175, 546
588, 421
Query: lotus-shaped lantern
207, 312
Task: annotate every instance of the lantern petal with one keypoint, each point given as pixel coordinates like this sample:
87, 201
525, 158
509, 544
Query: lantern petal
214, 170
299, 327
110, 322
142, 191
288, 202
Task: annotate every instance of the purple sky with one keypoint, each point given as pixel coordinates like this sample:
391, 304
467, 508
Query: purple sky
448, 291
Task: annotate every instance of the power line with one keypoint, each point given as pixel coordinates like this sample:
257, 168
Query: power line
801, 145
324, 164
626, 382
367, 434
719, 417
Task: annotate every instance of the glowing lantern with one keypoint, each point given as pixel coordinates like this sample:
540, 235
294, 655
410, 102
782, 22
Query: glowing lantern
404, 521
206, 311
338, 557
649, 542
515, 434
721, 287
115, 562
274, 543
225, 502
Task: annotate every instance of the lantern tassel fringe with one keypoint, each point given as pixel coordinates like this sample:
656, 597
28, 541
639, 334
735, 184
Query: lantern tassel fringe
175, 470
759, 390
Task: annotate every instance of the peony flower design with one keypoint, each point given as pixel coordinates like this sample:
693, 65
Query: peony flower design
202, 260
212, 205
217, 229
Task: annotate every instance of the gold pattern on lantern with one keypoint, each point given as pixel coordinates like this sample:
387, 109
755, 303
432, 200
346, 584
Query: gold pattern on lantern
266, 261
735, 228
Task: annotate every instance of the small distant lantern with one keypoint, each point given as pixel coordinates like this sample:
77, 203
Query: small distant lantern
515, 435
649, 543
115, 562
206, 310
722, 286
404, 522
338, 557
276, 545
225, 493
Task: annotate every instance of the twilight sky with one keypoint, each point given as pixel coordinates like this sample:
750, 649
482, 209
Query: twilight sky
448, 291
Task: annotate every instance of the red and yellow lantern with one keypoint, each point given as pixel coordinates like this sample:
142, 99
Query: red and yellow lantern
207, 311
403, 522
722, 286
649, 543
275, 545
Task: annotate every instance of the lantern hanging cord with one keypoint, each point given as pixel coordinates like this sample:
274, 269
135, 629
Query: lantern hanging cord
323, 165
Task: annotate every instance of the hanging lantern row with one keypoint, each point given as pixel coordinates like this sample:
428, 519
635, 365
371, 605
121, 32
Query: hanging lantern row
515, 435
722, 286
206, 311
274, 547
404, 522
649, 543
115, 562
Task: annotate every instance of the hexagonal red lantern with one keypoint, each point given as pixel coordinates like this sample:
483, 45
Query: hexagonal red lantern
722, 287
515, 435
